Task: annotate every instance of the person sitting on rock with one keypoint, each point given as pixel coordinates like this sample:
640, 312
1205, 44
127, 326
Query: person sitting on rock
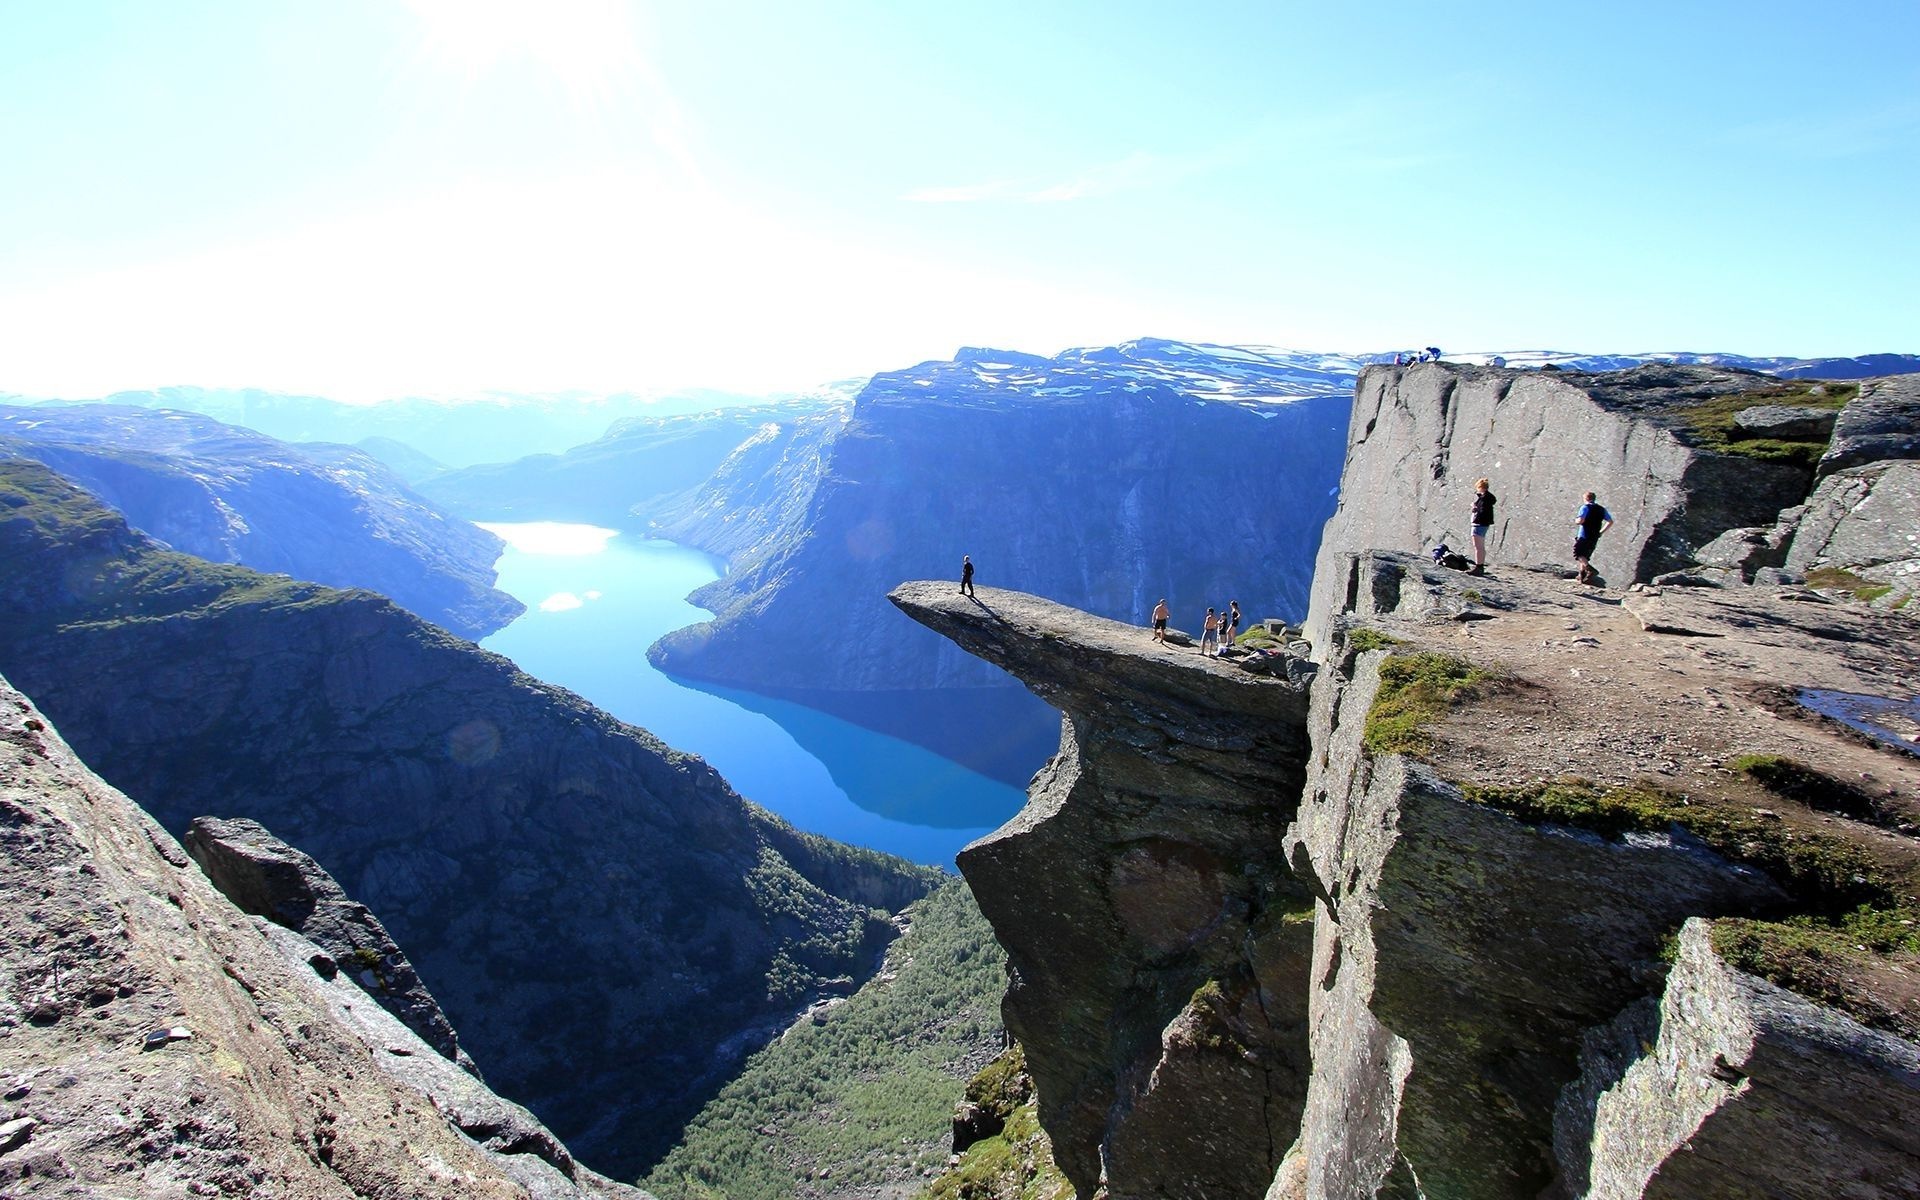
1592, 520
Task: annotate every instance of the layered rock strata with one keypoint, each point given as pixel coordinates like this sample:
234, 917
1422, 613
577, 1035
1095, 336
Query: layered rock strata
155, 1041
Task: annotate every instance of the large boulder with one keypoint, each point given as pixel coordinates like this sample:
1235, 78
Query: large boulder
1784, 421
1684, 1098
1882, 422
265, 877
1865, 520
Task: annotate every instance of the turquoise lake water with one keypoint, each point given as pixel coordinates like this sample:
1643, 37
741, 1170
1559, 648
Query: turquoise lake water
596, 600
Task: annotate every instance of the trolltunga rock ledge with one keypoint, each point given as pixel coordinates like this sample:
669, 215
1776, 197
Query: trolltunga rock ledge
1176, 778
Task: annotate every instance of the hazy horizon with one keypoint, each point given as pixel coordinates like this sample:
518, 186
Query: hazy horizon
449, 197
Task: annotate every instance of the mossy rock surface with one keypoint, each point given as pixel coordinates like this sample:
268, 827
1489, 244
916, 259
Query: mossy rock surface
1415, 691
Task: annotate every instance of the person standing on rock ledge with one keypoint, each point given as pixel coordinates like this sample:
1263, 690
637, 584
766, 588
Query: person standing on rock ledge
1160, 614
966, 575
1210, 635
1482, 523
1592, 520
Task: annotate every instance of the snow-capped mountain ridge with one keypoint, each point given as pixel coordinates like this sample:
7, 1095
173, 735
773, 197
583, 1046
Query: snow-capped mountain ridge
1267, 375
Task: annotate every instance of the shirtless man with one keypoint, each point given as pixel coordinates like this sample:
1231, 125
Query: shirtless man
1160, 615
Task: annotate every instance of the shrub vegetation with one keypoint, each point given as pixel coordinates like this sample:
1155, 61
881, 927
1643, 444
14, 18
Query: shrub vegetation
865, 1097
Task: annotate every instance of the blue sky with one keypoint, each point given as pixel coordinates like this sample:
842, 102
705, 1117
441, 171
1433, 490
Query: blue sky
364, 198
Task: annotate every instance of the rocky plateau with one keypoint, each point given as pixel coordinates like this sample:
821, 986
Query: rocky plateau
1496, 885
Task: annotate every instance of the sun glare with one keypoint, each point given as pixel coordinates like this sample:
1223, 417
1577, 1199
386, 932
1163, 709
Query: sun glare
585, 43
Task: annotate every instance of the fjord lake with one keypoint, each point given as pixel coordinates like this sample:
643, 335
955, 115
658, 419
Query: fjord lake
597, 598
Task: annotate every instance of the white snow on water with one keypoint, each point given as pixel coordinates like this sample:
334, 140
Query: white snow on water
552, 537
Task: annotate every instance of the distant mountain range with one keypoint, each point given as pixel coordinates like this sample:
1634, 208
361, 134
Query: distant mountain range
322, 512
497, 427
458, 432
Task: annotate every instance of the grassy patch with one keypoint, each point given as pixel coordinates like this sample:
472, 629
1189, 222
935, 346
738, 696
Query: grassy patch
1825, 876
1257, 638
1709, 425
1839, 579
866, 1096
1824, 960
1415, 690
1797, 781
1014, 1164
1364, 638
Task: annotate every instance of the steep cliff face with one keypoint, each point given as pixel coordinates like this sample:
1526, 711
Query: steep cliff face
597, 913
1422, 435
157, 1042
1107, 480
1492, 889
1156, 939
327, 513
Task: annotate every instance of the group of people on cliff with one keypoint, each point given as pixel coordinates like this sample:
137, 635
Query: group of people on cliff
1221, 625
1589, 523
1218, 630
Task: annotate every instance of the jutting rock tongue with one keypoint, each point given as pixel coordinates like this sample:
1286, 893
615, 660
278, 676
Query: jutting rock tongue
1158, 945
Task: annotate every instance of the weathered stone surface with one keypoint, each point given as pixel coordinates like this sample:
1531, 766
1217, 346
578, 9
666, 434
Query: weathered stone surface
1147, 867
1749, 548
1784, 421
265, 877
1460, 955
1732, 1088
1865, 520
1467, 968
110, 933
1882, 422
1421, 436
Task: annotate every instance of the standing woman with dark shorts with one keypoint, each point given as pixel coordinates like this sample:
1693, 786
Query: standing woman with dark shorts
1482, 524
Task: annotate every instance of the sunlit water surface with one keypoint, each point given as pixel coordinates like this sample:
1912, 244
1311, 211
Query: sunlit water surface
596, 599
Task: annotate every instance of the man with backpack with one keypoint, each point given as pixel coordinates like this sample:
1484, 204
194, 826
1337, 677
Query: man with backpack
1592, 520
